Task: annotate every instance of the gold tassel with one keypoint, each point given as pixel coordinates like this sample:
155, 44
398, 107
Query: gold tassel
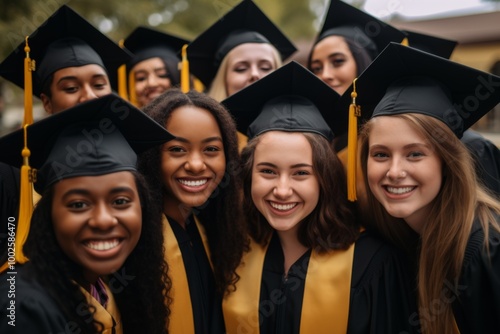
198, 85
184, 70
26, 201
122, 78
352, 145
27, 173
131, 89
405, 42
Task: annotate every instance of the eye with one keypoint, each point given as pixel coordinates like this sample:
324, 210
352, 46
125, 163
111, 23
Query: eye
121, 201
266, 171
379, 155
316, 69
77, 205
302, 172
416, 154
212, 149
175, 149
337, 62
70, 89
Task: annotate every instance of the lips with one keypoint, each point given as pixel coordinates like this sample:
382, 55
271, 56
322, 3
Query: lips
399, 190
102, 245
283, 207
193, 183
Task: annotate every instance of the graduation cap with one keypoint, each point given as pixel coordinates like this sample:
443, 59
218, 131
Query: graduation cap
146, 43
95, 137
436, 45
407, 80
369, 32
65, 40
288, 99
245, 23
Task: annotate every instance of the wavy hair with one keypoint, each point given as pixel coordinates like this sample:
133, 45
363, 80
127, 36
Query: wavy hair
444, 237
218, 89
220, 214
141, 300
331, 225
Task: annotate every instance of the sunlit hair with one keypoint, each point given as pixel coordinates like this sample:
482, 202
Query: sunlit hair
444, 236
218, 89
360, 55
220, 214
331, 224
141, 301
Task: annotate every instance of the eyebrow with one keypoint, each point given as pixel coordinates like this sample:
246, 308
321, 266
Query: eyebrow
206, 140
413, 145
85, 192
300, 165
72, 77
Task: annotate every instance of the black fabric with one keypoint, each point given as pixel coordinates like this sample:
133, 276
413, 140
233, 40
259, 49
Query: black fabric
290, 99
36, 312
436, 45
9, 205
487, 159
206, 304
382, 298
477, 306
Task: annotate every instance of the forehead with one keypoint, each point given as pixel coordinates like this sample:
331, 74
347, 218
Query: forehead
331, 44
247, 51
192, 119
281, 143
85, 71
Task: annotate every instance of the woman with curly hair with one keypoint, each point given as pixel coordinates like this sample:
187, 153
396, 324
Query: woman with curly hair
196, 179
423, 189
95, 253
310, 269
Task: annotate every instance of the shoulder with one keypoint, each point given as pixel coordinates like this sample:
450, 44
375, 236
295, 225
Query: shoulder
480, 251
32, 309
373, 258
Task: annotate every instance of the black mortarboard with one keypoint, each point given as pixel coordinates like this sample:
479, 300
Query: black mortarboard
369, 32
97, 137
436, 45
147, 43
245, 23
406, 80
65, 40
289, 99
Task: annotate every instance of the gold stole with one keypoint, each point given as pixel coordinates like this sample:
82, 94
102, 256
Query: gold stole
181, 312
242, 141
325, 306
106, 315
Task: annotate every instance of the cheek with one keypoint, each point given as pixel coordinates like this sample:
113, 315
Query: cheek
373, 174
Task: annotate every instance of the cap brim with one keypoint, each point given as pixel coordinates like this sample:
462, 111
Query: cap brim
111, 111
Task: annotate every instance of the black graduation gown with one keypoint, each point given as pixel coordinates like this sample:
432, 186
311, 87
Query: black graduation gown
487, 159
206, 303
477, 308
381, 297
9, 204
36, 312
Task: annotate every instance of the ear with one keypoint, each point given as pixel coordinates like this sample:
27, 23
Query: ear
47, 104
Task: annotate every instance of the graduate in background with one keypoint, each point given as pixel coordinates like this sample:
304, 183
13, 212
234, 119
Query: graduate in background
485, 153
310, 268
154, 68
95, 255
75, 62
423, 193
195, 179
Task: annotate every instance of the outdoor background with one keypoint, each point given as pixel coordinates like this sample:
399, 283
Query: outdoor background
479, 42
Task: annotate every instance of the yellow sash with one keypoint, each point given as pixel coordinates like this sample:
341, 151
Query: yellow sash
106, 315
181, 311
325, 306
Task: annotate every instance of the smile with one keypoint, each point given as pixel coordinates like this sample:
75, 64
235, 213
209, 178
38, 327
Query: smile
283, 207
399, 190
102, 245
195, 183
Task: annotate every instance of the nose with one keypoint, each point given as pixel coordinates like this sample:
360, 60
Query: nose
195, 163
396, 170
102, 218
283, 188
87, 94
255, 73
327, 73
152, 80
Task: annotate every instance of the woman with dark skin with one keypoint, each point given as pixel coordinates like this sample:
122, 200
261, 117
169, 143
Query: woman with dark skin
195, 177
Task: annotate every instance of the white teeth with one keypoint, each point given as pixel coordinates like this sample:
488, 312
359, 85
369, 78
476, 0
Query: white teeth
196, 183
284, 207
102, 245
399, 191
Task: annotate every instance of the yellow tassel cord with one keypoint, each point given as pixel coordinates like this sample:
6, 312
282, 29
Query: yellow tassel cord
131, 89
27, 173
405, 42
352, 145
184, 70
122, 78
198, 85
